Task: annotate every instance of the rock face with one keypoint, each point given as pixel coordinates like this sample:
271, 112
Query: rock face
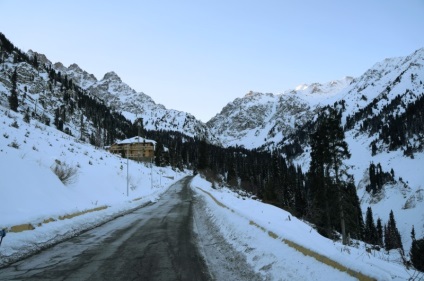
81, 77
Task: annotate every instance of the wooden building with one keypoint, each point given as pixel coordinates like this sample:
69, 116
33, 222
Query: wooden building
136, 148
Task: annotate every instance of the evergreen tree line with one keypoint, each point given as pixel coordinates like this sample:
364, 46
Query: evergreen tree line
292, 146
386, 236
333, 199
325, 195
378, 178
113, 124
417, 251
266, 175
9, 47
393, 130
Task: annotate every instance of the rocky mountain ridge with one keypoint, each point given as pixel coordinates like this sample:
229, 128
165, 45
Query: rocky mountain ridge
267, 120
119, 96
257, 119
260, 119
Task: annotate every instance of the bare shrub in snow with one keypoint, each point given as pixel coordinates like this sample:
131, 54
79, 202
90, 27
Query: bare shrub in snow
15, 125
66, 173
14, 144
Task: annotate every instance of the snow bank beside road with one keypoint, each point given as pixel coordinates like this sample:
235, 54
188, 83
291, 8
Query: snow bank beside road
258, 231
18, 245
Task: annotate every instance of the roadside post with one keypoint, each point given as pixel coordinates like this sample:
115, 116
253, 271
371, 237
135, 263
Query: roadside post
128, 164
2, 235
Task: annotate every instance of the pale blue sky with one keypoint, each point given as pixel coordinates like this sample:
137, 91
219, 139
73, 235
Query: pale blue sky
196, 56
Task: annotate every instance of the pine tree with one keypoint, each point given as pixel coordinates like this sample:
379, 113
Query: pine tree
56, 117
329, 175
392, 236
13, 99
379, 233
60, 126
232, 178
387, 238
373, 149
379, 177
159, 155
98, 140
300, 194
373, 184
27, 117
203, 162
82, 127
417, 254
35, 62
413, 233
370, 228
320, 194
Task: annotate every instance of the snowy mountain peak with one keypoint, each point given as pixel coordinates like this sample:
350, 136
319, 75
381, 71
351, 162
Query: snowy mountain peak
258, 119
80, 77
75, 67
112, 76
58, 66
326, 88
301, 87
252, 94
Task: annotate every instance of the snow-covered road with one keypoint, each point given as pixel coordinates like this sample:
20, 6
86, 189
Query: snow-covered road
153, 243
160, 241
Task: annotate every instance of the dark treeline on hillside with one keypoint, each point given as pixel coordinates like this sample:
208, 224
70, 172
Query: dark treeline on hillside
266, 175
394, 130
323, 196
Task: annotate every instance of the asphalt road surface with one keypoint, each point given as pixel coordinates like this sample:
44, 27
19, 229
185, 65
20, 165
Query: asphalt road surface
155, 242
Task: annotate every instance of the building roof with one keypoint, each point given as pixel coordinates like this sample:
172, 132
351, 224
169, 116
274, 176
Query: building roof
135, 140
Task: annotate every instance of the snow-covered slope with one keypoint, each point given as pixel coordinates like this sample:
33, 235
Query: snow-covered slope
382, 92
246, 223
31, 193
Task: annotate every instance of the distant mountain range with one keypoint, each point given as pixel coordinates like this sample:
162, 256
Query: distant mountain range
258, 119
121, 97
